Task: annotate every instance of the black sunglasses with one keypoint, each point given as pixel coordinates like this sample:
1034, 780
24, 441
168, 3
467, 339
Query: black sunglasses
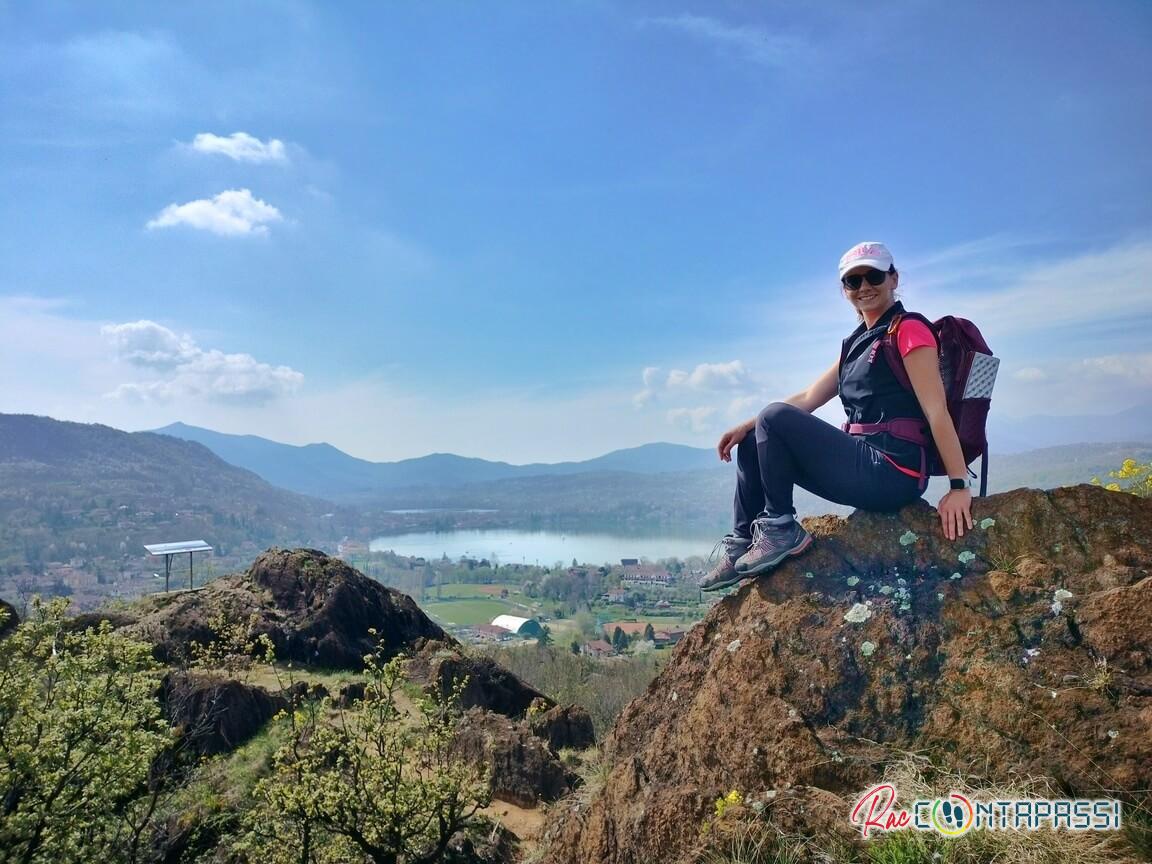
875, 278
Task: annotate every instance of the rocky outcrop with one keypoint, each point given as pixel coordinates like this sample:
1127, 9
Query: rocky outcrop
215, 715
441, 667
315, 609
562, 728
1023, 649
9, 620
521, 768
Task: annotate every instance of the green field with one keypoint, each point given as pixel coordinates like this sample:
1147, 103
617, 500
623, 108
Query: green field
467, 613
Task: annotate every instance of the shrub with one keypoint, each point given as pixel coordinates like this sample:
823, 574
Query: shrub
80, 729
1137, 479
376, 784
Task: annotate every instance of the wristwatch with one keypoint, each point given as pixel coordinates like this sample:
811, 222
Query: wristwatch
958, 483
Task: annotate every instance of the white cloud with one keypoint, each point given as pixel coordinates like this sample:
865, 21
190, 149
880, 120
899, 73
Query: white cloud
148, 344
185, 370
706, 377
680, 392
1133, 368
751, 43
241, 147
651, 385
718, 376
698, 419
234, 212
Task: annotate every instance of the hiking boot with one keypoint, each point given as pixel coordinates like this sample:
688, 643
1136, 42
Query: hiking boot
724, 573
773, 540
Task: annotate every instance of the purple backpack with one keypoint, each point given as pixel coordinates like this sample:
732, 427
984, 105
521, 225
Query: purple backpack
968, 370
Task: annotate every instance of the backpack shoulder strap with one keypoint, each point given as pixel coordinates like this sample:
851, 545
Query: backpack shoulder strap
892, 351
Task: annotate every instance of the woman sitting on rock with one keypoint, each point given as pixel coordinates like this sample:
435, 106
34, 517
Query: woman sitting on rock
786, 446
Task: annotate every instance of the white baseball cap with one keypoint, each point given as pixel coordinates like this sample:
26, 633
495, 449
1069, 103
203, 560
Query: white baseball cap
870, 253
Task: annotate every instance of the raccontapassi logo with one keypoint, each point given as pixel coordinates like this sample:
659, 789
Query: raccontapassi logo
957, 814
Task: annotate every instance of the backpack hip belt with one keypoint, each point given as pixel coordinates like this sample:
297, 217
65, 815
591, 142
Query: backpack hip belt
904, 428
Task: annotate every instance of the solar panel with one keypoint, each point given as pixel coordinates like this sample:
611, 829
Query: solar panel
176, 548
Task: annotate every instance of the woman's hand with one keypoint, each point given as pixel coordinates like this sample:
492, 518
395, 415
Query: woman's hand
731, 438
955, 512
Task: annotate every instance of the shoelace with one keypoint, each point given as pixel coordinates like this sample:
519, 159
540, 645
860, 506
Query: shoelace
730, 544
760, 530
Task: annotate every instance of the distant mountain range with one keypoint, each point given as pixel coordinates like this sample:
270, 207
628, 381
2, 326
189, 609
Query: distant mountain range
72, 492
324, 471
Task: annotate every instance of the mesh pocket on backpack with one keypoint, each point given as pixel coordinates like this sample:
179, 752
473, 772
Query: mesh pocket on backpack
981, 376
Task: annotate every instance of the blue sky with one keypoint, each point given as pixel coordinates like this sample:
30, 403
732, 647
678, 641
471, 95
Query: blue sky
542, 231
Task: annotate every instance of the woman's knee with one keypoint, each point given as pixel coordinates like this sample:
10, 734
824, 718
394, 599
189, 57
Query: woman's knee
775, 414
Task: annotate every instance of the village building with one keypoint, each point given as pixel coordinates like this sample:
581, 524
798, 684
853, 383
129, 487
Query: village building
490, 633
597, 648
527, 627
647, 574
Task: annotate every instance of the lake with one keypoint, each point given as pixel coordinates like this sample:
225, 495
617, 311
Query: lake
543, 548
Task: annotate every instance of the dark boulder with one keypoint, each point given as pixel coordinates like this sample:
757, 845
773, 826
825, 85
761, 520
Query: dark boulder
350, 694
521, 768
440, 667
314, 608
215, 715
562, 727
302, 691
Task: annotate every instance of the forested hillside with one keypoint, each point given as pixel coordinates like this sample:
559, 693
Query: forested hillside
92, 496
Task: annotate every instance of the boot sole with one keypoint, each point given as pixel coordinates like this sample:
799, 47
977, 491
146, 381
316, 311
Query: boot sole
739, 577
769, 563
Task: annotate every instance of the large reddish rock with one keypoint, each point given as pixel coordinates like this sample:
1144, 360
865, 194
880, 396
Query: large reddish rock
1023, 649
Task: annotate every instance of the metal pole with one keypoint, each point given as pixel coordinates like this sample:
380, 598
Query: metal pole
167, 571
189, 571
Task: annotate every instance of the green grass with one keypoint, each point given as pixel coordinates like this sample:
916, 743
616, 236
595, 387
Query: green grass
467, 613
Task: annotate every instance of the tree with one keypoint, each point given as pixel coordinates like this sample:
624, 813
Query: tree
619, 639
80, 728
649, 633
378, 785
